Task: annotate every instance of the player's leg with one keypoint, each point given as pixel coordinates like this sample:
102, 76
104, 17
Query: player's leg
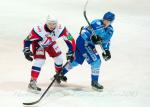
55, 52
39, 60
94, 60
79, 59
58, 61
69, 66
95, 68
36, 68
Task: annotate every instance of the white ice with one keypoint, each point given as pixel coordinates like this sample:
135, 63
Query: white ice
126, 77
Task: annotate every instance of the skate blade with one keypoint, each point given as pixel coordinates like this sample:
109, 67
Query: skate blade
33, 91
99, 90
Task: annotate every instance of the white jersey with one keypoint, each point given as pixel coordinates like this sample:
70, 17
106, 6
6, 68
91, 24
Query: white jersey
45, 36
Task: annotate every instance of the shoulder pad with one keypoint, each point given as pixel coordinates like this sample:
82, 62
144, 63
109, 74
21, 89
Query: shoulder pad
110, 27
38, 28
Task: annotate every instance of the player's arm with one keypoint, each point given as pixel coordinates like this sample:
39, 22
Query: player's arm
69, 40
98, 31
106, 43
107, 37
102, 36
33, 36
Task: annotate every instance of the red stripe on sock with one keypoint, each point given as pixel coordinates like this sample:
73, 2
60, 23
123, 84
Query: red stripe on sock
58, 69
34, 75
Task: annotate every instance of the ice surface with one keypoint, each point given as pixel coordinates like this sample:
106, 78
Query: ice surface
125, 78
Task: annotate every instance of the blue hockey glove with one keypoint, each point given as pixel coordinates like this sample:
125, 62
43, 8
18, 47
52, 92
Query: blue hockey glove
28, 54
106, 55
96, 39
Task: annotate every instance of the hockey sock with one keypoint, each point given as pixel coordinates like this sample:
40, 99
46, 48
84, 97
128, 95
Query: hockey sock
94, 78
35, 72
58, 68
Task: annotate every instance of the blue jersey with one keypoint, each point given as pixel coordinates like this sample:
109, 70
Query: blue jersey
86, 50
100, 30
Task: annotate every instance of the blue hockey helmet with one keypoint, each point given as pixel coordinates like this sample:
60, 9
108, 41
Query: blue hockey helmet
109, 16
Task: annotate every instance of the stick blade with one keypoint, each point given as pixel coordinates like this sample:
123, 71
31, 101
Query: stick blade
32, 103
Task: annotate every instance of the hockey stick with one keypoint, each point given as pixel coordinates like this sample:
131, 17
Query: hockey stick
35, 102
93, 31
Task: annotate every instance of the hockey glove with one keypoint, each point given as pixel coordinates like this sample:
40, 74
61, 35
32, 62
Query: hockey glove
70, 56
96, 39
106, 55
28, 54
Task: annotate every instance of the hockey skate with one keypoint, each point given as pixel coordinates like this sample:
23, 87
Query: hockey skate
33, 87
60, 78
96, 86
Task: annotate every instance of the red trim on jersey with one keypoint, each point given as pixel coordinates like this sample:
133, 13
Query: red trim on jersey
64, 32
73, 45
34, 36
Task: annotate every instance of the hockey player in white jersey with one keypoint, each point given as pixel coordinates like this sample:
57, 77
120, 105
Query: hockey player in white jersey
43, 39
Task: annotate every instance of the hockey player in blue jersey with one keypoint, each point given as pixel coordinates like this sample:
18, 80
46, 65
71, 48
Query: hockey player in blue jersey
85, 47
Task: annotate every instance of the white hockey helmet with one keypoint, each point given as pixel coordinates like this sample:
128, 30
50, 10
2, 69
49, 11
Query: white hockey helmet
51, 22
51, 19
